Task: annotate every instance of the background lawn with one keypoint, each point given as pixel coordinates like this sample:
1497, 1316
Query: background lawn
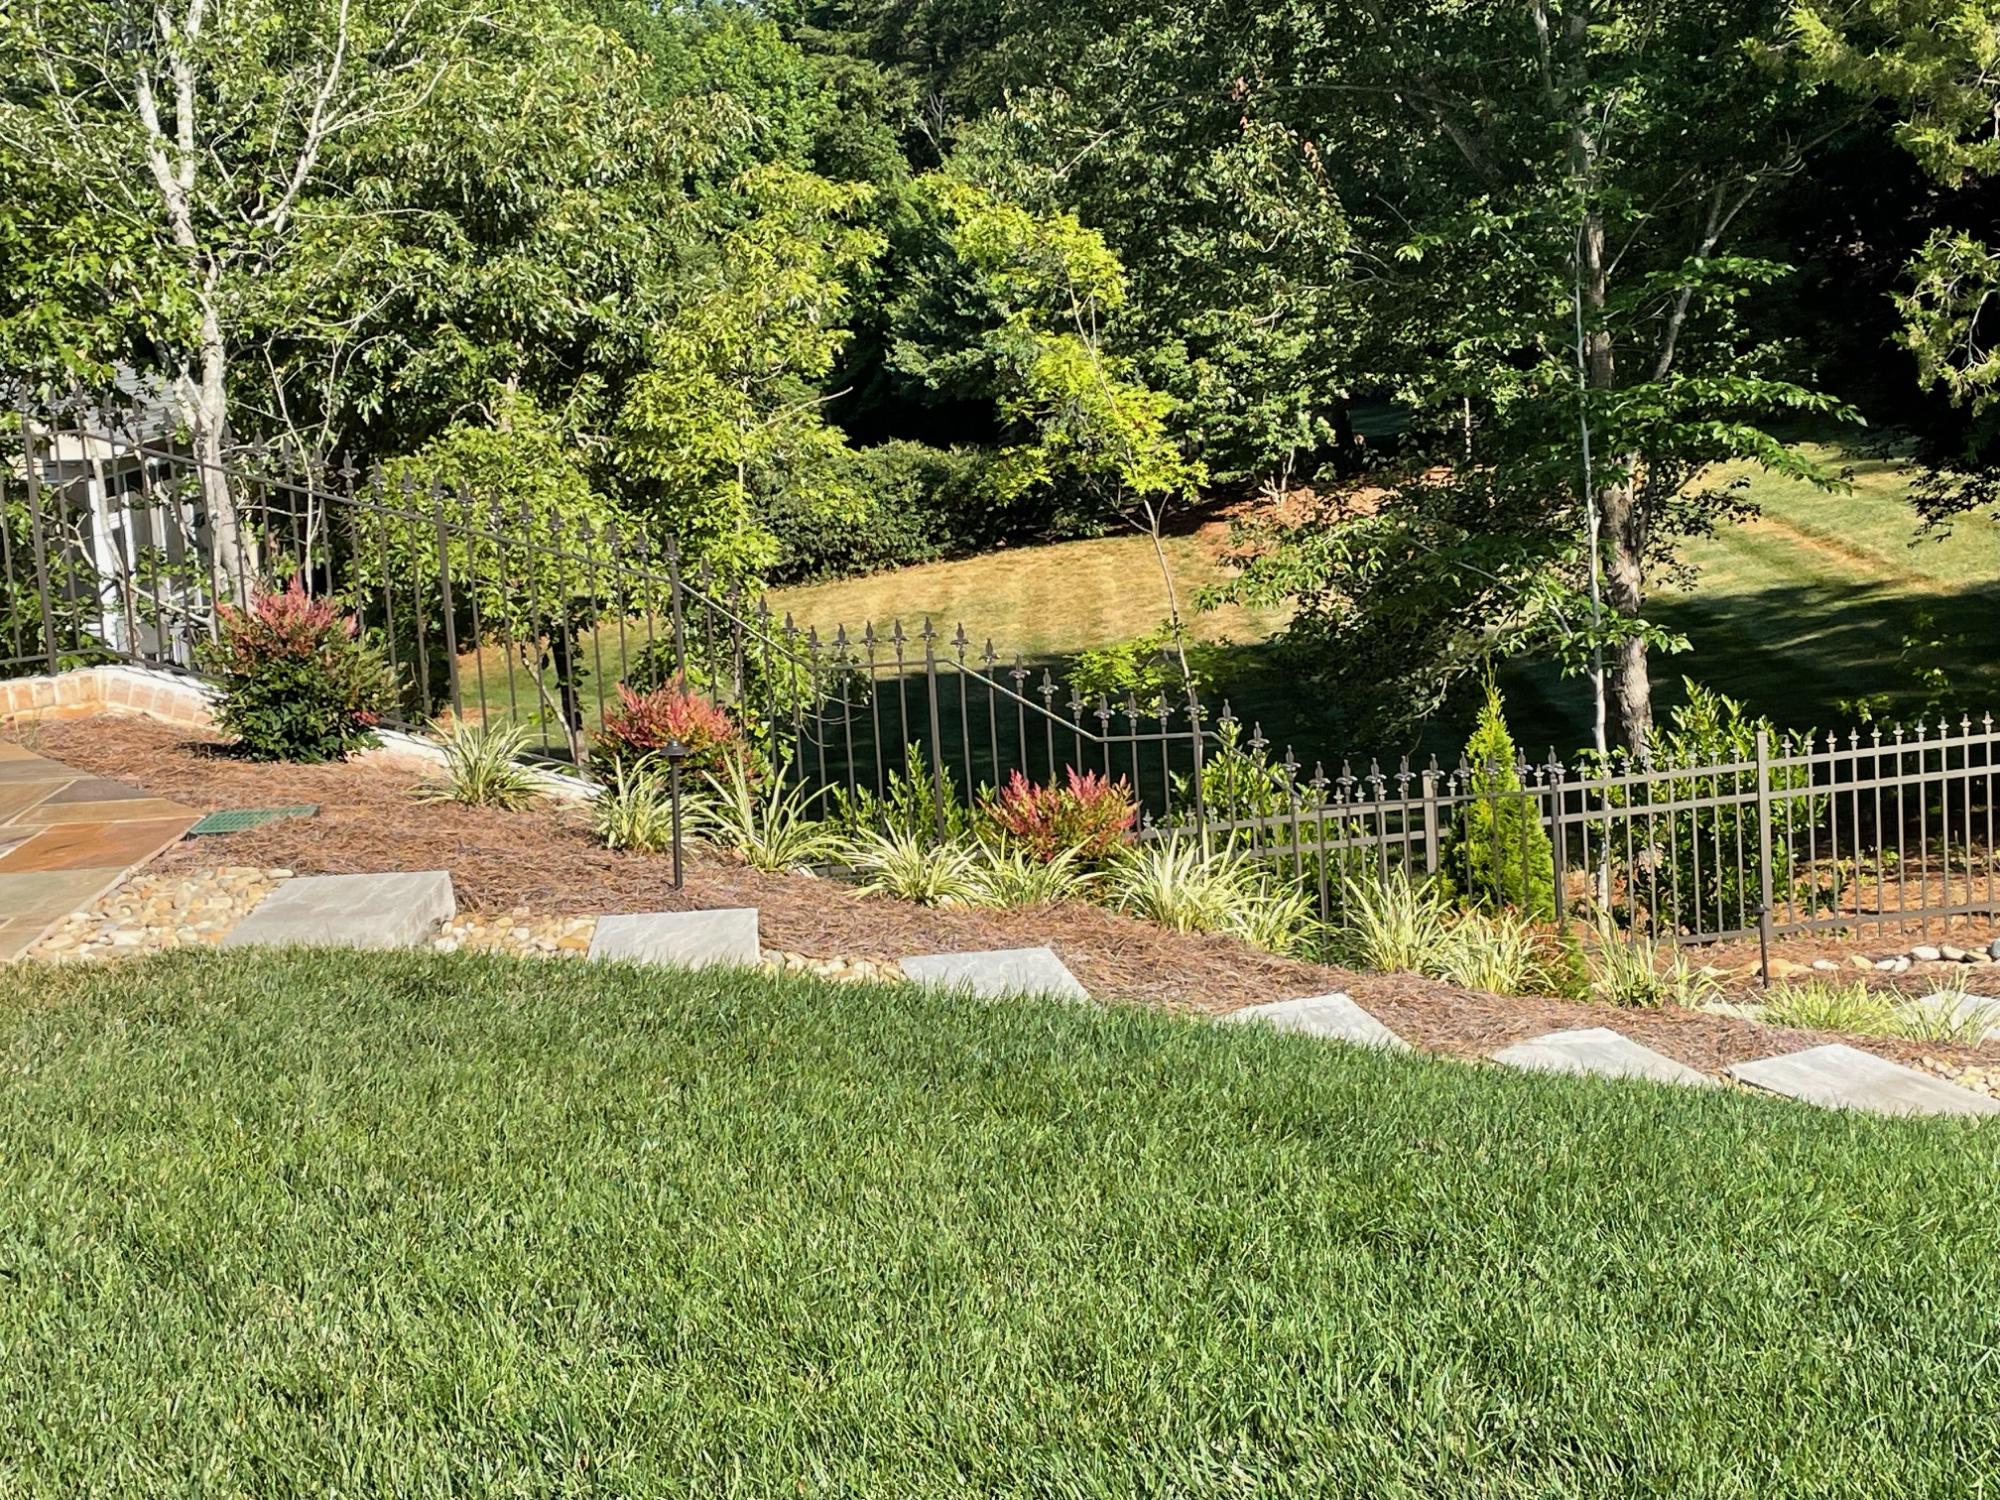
398, 1225
1796, 612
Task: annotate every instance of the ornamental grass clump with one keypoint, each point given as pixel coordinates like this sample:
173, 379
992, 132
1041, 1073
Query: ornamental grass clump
634, 809
1179, 885
769, 824
482, 766
297, 681
1394, 924
1010, 877
1087, 815
1501, 954
911, 868
1831, 1005
1641, 973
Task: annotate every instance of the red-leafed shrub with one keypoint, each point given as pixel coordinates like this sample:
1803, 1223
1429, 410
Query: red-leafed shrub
297, 680
643, 723
1087, 815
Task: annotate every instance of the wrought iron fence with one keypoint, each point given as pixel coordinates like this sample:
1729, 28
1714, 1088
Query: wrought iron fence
109, 552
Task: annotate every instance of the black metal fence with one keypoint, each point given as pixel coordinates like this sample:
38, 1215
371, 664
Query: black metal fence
109, 551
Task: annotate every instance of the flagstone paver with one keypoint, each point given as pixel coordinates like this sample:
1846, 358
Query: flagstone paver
1598, 1052
688, 939
997, 973
1843, 1077
66, 838
399, 910
1335, 1017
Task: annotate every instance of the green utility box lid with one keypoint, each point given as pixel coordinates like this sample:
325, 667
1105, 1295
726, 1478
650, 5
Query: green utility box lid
237, 819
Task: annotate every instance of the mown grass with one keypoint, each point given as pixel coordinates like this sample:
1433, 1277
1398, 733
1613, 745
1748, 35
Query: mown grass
1798, 613
1810, 607
420, 1225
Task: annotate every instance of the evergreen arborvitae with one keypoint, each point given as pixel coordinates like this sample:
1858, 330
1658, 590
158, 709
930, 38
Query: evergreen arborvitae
1504, 857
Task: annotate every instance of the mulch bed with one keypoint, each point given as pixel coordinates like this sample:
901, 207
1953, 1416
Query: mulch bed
544, 859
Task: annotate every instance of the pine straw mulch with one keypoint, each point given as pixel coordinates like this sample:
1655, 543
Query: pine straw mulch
545, 860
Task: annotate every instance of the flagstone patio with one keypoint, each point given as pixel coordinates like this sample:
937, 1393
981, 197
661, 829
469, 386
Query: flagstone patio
66, 837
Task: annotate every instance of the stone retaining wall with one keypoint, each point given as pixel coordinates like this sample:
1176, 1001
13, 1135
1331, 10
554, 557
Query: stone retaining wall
87, 691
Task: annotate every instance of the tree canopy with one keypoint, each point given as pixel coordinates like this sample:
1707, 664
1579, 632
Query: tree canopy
1473, 293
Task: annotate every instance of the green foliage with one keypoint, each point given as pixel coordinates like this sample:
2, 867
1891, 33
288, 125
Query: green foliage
1934, 61
482, 766
1945, 1015
1684, 866
1147, 670
1393, 924
295, 680
1638, 972
1052, 286
768, 823
923, 504
530, 550
1499, 954
1172, 881
916, 803
911, 867
725, 414
634, 809
1011, 877
1501, 855
1844, 1005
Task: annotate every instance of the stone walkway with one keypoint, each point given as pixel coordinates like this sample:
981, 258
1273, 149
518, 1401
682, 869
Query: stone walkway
66, 838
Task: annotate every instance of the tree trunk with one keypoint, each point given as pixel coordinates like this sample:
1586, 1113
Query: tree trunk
233, 547
1622, 520
1631, 688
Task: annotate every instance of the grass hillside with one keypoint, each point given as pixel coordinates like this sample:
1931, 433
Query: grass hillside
366, 1224
1815, 603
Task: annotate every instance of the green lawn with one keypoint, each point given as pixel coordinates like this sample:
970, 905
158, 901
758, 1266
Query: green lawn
1798, 613
371, 1225
1812, 604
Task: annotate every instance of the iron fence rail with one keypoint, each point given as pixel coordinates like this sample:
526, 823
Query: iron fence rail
488, 611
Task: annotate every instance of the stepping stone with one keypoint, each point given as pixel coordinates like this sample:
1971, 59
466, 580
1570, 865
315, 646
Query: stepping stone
998, 973
1843, 1077
686, 939
401, 910
1335, 1017
1598, 1052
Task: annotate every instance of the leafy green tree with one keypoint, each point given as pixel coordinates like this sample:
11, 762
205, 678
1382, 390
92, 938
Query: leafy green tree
1558, 205
531, 549
1934, 62
728, 411
190, 138
1051, 291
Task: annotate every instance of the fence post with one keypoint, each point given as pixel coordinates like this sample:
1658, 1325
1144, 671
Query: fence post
1764, 854
449, 605
1559, 838
674, 604
1430, 785
32, 457
1200, 796
937, 732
